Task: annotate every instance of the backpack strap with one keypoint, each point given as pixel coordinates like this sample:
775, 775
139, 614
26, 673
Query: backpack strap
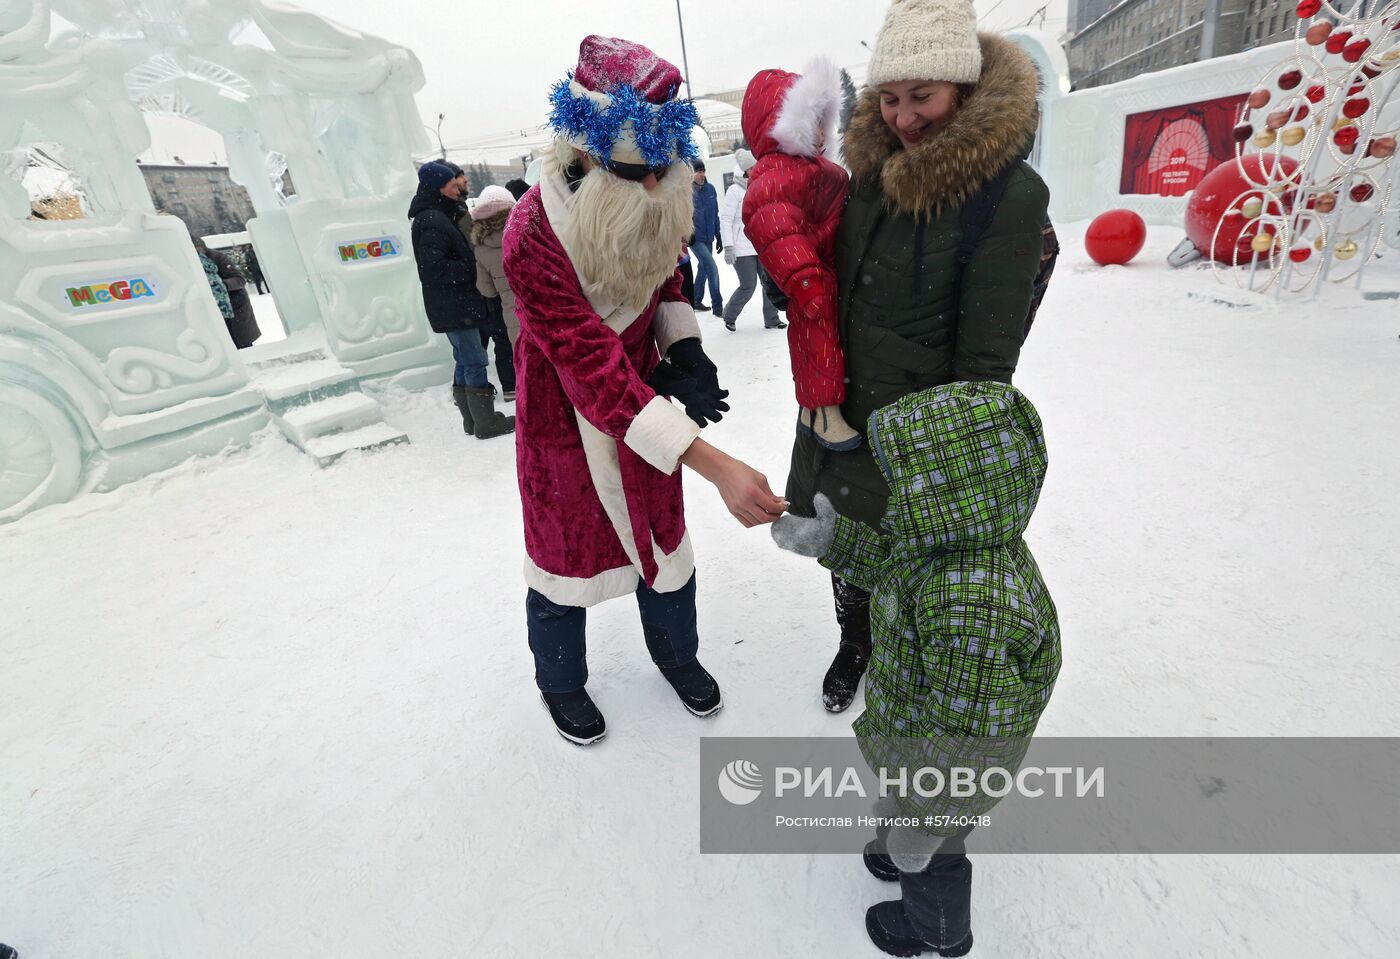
979, 209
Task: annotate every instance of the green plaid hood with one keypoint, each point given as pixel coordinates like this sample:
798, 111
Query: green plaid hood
964, 462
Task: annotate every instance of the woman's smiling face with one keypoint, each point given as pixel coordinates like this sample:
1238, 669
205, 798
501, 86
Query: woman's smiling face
916, 109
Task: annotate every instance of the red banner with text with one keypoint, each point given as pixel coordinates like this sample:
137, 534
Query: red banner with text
1167, 152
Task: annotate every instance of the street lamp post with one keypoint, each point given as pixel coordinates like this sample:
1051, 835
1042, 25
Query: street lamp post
685, 61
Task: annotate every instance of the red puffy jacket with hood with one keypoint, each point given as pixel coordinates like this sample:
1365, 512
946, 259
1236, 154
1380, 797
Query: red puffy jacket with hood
796, 192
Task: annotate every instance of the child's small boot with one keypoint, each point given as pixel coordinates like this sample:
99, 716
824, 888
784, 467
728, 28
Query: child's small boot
829, 427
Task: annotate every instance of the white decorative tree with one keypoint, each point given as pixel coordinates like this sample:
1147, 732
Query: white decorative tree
1316, 142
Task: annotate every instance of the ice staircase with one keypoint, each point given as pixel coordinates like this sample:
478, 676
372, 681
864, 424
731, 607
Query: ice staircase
316, 402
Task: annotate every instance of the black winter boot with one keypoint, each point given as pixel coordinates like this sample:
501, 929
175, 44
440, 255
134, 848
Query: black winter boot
697, 689
459, 396
575, 716
891, 930
487, 421
853, 614
7, 953
879, 863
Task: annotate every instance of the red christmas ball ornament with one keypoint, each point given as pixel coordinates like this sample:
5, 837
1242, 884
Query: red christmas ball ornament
1337, 42
1362, 192
1213, 203
1355, 108
1299, 254
1315, 93
1381, 148
1371, 72
1355, 51
1346, 136
1289, 79
1242, 132
1259, 99
1115, 237
1317, 33
1300, 112
1308, 8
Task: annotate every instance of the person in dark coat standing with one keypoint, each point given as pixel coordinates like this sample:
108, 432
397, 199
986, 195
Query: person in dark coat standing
706, 238
255, 272
244, 325
455, 308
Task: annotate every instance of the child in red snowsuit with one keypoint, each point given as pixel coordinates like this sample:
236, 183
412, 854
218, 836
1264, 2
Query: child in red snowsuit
791, 213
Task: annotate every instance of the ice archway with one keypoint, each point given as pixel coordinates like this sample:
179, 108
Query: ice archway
113, 357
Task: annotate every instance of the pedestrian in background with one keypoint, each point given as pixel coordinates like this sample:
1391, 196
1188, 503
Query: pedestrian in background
243, 325
488, 224
706, 238
255, 272
455, 308
738, 249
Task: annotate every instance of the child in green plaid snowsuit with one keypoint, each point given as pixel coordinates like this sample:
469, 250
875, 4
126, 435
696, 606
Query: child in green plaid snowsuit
966, 638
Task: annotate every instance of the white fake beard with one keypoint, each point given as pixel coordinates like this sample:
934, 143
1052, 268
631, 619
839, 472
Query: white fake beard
624, 239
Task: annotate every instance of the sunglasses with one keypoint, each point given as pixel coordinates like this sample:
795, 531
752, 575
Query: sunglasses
635, 172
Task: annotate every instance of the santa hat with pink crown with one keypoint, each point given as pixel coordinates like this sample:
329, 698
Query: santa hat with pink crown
619, 105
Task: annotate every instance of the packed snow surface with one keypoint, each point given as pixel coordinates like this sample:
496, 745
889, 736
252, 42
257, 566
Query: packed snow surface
255, 708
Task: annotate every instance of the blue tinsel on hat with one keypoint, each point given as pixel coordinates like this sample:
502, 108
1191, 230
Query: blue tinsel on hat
662, 131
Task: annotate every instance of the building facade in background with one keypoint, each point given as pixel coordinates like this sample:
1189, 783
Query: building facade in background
205, 197
1112, 41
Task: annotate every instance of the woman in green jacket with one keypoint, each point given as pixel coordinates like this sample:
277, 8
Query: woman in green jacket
946, 122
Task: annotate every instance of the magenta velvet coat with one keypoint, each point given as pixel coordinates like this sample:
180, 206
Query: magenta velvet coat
597, 451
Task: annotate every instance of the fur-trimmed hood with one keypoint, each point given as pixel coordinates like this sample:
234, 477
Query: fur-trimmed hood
995, 125
788, 112
489, 230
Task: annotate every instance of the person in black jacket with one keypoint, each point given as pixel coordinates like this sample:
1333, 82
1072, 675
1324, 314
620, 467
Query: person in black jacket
243, 328
255, 272
455, 308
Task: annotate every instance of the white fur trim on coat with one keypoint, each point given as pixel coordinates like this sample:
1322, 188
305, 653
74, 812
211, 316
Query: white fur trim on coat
675, 321
812, 106
661, 433
674, 571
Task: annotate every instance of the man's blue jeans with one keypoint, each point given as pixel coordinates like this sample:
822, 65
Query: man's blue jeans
471, 358
705, 269
557, 635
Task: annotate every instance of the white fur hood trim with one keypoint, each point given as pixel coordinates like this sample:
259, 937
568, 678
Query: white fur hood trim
812, 105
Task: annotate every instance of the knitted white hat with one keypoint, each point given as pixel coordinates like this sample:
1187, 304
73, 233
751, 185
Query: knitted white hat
927, 40
493, 200
744, 160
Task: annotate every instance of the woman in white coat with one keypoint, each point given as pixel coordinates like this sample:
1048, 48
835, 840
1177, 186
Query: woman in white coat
739, 252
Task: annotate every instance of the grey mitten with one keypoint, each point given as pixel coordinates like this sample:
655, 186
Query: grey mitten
729, 255
804, 536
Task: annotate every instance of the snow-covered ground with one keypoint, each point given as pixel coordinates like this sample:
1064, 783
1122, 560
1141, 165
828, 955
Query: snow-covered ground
269, 321
256, 709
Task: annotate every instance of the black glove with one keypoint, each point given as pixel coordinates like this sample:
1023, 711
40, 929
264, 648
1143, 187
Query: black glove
689, 357
719, 245
668, 380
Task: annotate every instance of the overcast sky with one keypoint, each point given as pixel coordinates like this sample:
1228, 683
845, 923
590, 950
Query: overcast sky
489, 65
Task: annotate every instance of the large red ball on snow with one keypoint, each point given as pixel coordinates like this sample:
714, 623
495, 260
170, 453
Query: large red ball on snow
1220, 192
1115, 237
